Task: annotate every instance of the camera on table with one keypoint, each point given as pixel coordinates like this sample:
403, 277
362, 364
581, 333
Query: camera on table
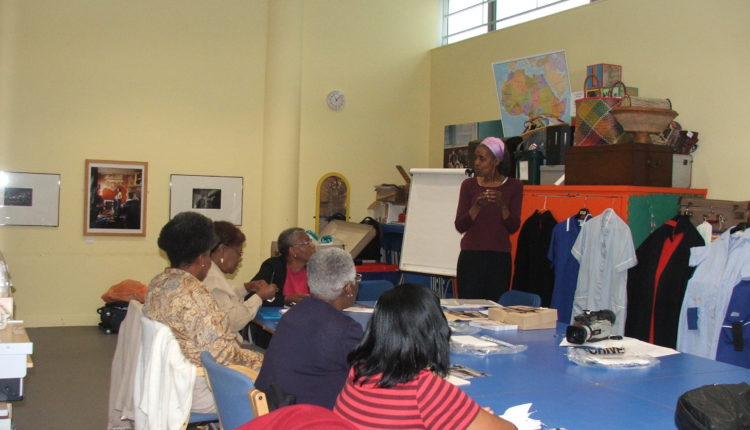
590, 326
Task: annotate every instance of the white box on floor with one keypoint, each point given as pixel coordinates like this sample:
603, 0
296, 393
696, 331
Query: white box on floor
682, 170
15, 346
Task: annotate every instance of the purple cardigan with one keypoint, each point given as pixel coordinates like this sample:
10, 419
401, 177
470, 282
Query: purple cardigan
488, 232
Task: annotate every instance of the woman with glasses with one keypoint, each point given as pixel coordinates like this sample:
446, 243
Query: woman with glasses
225, 258
307, 354
288, 272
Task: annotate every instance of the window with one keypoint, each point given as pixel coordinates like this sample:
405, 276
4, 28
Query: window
463, 19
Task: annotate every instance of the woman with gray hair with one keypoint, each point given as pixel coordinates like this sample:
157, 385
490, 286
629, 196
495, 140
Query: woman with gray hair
307, 355
288, 270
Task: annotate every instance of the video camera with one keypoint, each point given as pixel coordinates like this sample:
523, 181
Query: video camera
591, 326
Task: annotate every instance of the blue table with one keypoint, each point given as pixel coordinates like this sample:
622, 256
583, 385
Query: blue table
568, 395
576, 397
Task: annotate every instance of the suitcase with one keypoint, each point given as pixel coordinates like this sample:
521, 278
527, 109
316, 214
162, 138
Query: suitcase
111, 316
638, 164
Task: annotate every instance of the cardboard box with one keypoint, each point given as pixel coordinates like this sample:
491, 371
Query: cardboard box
354, 236
392, 193
385, 212
606, 75
525, 317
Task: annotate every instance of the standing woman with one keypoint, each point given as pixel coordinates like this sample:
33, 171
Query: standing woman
489, 211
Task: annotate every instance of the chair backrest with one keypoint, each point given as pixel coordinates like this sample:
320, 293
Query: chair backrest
234, 393
164, 380
515, 297
371, 290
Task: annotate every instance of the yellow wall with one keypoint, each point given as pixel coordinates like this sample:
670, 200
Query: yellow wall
691, 51
181, 84
193, 87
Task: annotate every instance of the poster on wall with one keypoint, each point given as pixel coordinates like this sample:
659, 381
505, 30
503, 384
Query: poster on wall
457, 148
532, 86
217, 197
115, 201
29, 198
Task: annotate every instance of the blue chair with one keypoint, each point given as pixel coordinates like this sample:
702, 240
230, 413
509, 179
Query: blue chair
371, 290
237, 399
515, 297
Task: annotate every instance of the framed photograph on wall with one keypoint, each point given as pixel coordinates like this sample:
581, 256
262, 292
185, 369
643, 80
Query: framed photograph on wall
115, 201
217, 197
29, 199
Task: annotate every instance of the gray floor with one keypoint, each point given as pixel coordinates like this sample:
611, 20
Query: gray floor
68, 387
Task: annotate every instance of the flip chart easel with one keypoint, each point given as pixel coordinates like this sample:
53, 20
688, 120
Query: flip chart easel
431, 243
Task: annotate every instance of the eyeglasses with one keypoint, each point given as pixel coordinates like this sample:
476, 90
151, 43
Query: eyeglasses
358, 279
308, 243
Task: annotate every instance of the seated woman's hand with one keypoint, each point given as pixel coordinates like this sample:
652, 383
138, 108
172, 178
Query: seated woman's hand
254, 286
267, 291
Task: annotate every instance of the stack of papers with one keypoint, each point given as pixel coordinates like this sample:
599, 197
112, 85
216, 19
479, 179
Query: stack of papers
467, 303
493, 325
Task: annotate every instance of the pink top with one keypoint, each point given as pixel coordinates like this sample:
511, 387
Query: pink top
296, 283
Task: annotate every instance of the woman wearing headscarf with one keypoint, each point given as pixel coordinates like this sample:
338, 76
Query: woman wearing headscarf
489, 211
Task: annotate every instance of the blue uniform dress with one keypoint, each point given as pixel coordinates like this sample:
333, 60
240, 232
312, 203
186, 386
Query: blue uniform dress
566, 267
734, 340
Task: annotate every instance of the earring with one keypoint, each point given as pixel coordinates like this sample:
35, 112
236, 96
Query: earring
221, 260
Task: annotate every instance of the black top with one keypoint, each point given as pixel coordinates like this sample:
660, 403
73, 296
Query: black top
273, 271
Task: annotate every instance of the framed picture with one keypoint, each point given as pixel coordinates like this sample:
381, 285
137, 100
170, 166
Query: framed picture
115, 201
217, 197
29, 198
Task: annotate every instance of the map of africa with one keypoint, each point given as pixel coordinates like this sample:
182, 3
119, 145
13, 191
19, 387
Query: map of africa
532, 86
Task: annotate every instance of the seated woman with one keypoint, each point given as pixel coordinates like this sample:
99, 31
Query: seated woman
225, 258
307, 354
396, 379
287, 271
178, 299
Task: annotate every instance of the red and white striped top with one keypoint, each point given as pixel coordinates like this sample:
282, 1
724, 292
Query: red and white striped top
426, 402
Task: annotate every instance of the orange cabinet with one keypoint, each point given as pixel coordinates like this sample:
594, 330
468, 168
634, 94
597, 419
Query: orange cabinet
643, 208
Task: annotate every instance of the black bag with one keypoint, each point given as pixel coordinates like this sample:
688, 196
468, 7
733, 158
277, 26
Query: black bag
111, 316
278, 399
714, 407
372, 250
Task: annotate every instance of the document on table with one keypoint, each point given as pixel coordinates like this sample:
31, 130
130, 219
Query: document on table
631, 345
521, 417
467, 303
472, 341
359, 309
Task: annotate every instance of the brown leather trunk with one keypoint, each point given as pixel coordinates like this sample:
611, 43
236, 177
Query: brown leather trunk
637, 164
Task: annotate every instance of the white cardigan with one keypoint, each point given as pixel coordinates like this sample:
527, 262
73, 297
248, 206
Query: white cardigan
164, 380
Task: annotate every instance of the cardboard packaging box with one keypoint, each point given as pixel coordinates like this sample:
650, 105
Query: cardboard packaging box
606, 75
525, 317
354, 236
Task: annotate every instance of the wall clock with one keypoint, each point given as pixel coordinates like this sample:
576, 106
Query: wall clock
335, 100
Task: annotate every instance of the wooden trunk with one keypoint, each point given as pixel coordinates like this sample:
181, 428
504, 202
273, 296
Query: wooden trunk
620, 164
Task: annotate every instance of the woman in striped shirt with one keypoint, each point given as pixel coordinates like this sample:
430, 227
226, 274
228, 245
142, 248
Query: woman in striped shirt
396, 378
